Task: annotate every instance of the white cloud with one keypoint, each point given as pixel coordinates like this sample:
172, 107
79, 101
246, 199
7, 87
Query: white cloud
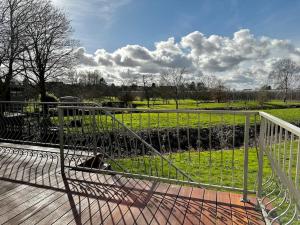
242, 61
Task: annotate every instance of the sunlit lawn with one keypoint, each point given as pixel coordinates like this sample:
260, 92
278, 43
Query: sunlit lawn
215, 167
193, 104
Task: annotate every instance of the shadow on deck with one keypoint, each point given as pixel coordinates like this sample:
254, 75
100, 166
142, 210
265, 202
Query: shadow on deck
33, 191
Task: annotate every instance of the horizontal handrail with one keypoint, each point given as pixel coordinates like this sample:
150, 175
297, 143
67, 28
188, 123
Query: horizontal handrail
111, 109
286, 125
43, 103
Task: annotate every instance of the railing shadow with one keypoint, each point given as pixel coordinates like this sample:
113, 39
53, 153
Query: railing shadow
87, 194
93, 198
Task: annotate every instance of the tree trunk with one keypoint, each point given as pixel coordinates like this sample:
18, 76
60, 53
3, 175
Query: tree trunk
43, 96
285, 95
43, 91
5, 95
176, 101
7, 87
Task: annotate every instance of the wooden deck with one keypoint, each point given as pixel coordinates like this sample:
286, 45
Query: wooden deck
32, 191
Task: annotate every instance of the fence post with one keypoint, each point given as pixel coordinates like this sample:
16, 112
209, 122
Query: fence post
261, 157
246, 149
61, 139
94, 130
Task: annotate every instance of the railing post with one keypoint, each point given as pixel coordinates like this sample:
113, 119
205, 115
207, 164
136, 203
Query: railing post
246, 149
261, 157
94, 130
61, 139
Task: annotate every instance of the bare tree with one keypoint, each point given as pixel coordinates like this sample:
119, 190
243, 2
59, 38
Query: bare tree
219, 91
208, 81
2, 35
215, 86
174, 79
14, 19
49, 54
283, 74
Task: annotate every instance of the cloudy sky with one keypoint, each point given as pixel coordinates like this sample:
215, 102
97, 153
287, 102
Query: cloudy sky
235, 40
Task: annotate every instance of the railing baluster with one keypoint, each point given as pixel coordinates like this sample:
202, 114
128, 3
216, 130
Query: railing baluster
284, 150
94, 133
233, 152
170, 147
61, 139
279, 145
177, 127
261, 156
291, 157
298, 166
222, 146
210, 147
246, 149
188, 160
199, 145
275, 142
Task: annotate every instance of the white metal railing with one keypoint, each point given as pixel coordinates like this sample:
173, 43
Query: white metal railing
279, 163
232, 150
204, 148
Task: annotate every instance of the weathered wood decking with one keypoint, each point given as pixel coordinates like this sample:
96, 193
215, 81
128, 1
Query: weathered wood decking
32, 191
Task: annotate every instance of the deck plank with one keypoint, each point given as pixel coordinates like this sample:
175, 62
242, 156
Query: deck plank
131, 199
180, 206
153, 204
99, 206
194, 208
49, 209
209, 209
67, 206
143, 199
166, 206
239, 214
224, 213
104, 211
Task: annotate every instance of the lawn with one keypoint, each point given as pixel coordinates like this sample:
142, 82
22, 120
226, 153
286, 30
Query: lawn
192, 104
153, 120
162, 120
224, 167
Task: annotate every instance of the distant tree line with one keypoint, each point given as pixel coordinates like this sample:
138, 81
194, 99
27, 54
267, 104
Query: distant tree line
37, 56
90, 85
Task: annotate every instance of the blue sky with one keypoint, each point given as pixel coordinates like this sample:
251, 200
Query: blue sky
147, 21
111, 25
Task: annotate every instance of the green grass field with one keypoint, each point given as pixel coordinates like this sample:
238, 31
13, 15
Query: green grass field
139, 121
153, 120
224, 167
192, 104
